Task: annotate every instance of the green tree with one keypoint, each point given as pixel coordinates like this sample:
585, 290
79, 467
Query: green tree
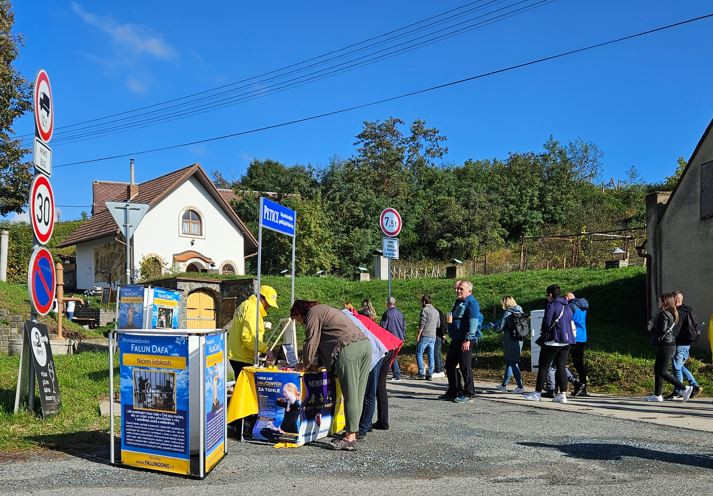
15, 98
671, 181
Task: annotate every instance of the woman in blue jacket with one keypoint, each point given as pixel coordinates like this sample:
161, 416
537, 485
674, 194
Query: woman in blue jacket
556, 336
511, 347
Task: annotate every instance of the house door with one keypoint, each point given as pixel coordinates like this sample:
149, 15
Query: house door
200, 311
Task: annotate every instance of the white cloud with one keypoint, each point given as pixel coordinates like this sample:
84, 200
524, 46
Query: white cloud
135, 85
21, 217
137, 38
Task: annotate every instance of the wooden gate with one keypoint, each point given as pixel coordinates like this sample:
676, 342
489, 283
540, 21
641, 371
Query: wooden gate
200, 311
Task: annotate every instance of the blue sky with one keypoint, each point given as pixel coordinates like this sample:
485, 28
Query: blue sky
643, 102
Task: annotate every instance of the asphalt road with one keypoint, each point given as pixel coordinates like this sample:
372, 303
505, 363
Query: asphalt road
433, 447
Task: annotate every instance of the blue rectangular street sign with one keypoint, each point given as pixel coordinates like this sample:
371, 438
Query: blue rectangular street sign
276, 217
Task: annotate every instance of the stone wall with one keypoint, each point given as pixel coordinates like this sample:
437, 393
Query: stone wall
10, 328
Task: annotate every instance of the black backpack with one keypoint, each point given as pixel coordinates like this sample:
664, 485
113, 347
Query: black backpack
518, 325
694, 328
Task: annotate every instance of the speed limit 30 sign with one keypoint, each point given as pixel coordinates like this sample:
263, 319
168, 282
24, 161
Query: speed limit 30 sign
42, 208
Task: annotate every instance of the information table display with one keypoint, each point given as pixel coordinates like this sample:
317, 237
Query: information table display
291, 407
173, 397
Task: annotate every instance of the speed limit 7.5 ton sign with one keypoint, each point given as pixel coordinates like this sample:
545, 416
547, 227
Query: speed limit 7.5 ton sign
390, 222
42, 208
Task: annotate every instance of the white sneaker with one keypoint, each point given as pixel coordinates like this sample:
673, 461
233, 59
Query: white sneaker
501, 388
653, 397
519, 390
534, 396
687, 393
560, 398
438, 374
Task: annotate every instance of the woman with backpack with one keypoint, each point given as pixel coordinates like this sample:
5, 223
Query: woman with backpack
663, 336
511, 345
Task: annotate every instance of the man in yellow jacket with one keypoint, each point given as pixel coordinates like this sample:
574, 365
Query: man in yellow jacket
241, 337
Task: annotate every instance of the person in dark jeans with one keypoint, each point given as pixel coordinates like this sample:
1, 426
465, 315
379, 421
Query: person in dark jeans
438, 348
394, 322
663, 336
382, 396
579, 307
462, 330
370, 400
556, 336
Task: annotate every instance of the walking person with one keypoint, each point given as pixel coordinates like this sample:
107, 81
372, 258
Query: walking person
663, 337
335, 342
683, 348
511, 347
556, 336
462, 331
393, 321
428, 324
579, 307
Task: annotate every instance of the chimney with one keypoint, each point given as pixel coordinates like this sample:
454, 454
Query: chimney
132, 189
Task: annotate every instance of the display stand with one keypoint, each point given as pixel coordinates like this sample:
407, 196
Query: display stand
173, 399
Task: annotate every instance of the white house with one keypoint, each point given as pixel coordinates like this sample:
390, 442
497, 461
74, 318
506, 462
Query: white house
189, 227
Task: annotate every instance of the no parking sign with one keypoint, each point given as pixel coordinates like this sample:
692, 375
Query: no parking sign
41, 280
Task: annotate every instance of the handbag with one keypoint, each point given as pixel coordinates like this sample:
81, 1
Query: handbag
549, 335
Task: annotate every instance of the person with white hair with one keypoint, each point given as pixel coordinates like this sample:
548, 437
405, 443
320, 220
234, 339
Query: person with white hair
394, 322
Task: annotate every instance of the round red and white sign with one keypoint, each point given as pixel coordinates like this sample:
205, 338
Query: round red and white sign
390, 222
42, 208
44, 111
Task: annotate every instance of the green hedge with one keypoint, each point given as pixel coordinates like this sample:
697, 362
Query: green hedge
21, 246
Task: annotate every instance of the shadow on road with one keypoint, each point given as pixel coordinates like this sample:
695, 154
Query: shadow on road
90, 445
612, 452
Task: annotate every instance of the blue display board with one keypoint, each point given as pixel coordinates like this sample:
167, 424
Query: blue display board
279, 398
132, 301
164, 308
214, 399
317, 407
155, 402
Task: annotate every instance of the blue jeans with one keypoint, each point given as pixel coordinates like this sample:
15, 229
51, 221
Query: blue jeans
679, 368
426, 343
512, 369
367, 413
395, 368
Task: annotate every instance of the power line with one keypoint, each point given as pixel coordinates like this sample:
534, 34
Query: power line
290, 66
397, 97
289, 84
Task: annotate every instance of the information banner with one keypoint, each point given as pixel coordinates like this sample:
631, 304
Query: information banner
155, 402
318, 405
164, 308
214, 399
132, 302
279, 406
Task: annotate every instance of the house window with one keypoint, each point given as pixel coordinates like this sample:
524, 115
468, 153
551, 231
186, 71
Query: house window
191, 223
228, 269
706, 198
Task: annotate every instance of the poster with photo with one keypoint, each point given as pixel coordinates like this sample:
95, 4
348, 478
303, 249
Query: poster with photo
317, 407
279, 406
132, 302
165, 304
214, 399
154, 389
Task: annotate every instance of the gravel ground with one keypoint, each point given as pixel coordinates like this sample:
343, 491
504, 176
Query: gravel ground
433, 446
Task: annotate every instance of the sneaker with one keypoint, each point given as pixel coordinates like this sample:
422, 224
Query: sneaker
420, 376
583, 392
395, 379
379, 427
673, 396
342, 444
687, 393
463, 399
446, 397
534, 396
519, 390
429, 377
437, 375
550, 393
501, 388
697, 390
579, 387
653, 397
360, 436
560, 398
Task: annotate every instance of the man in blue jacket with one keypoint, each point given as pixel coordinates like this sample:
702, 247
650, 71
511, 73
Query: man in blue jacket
579, 307
462, 330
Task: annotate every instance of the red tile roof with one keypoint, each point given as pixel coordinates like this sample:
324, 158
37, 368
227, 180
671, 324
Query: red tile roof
103, 191
152, 192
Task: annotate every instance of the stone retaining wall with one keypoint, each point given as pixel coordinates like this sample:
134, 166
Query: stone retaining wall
10, 328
